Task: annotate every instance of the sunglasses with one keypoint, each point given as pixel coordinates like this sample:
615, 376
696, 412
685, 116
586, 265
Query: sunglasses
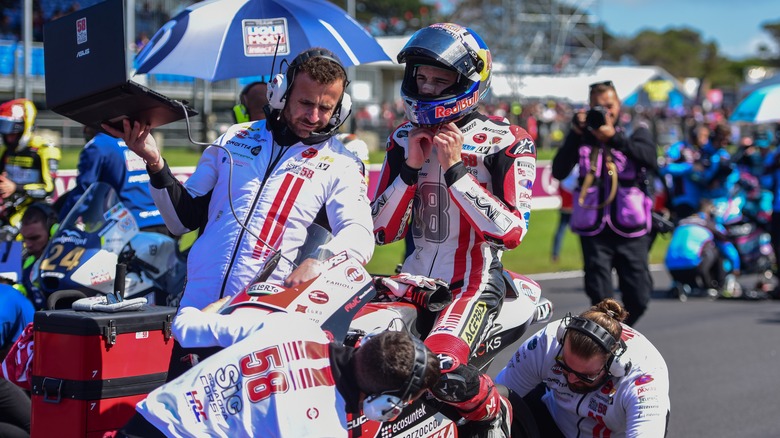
605, 84
583, 377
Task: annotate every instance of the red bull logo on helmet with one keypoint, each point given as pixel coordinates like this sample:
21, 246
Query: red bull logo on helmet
459, 106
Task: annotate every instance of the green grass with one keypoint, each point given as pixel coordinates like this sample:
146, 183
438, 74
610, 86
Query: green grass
174, 156
531, 257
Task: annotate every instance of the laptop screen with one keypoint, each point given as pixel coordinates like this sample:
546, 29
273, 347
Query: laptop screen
84, 52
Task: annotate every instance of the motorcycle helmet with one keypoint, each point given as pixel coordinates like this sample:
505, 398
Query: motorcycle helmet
448, 46
17, 117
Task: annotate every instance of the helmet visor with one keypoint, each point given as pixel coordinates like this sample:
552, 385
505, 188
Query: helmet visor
443, 47
11, 126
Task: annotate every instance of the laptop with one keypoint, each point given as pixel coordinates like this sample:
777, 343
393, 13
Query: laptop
87, 75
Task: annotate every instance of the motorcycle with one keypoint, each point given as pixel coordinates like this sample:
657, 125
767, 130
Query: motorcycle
348, 303
99, 233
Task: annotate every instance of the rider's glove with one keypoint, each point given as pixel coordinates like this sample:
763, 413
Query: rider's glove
428, 293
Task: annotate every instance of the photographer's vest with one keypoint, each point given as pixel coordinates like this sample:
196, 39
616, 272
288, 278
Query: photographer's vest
612, 192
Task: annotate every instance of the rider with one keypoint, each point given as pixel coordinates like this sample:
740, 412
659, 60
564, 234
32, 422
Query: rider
107, 159
590, 375
265, 359
468, 179
28, 162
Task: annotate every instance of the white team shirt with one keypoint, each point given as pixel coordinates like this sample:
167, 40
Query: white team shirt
632, 406
277, 193
274, 382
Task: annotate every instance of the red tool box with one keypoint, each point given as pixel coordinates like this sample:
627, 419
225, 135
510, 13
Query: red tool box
91, 368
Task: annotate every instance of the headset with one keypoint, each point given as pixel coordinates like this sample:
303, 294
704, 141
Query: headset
240, 112
389, 404
616, 347
51, 216
281, 84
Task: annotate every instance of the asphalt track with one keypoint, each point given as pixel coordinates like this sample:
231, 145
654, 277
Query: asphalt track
723, 357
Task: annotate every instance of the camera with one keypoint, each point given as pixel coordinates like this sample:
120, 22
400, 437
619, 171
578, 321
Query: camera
596, 117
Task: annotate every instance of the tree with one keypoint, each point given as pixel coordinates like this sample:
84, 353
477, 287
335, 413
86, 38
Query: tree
773, 28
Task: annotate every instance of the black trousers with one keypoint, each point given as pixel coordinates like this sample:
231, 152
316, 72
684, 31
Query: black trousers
15, 409
531, 418
629, 258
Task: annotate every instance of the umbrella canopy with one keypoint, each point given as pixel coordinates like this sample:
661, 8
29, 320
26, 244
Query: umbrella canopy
224, 39
761, 106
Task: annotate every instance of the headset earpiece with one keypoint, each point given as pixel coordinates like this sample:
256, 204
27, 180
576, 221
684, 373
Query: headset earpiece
387, 405
617, 365
277, 91
342, 111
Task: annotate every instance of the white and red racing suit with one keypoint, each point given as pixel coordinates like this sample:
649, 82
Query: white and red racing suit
277, 193
462, 220
635, 405
275, 380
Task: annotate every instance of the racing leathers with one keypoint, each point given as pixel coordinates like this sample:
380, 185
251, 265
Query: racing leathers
462, 219
277, 377
631, 406
107, 159
33, 168
276, 192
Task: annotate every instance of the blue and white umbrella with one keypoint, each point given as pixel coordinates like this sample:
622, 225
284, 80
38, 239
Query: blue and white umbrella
760, 106
224, 39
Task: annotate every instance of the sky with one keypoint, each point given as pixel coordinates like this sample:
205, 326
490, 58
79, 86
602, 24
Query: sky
734, 25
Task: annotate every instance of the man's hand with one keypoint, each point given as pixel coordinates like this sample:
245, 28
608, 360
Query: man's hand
7, 187
449, 144
139, 141
420, 143
604, 133
310, 268
578, 121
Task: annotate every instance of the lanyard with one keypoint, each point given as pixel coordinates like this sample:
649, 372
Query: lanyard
590, 177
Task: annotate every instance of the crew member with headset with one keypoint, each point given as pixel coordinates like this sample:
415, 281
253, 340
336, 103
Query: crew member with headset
280, 175
588, 375
332, 382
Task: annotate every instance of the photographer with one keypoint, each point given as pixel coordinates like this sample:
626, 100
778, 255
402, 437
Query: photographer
611, 210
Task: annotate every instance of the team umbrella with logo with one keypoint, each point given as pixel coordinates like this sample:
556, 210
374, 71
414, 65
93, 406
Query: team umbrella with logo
223, 39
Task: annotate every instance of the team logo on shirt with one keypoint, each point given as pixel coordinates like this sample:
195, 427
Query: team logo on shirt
309, 153
318, 297
480, 138
354, 275
312, 413
256, 150
643, 379
196, 405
